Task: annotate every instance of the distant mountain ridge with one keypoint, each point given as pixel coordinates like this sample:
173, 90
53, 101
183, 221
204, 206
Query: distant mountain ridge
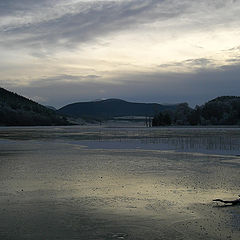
110, 108
16, 110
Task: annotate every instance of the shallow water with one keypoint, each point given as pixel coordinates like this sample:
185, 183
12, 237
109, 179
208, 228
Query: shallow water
111, 183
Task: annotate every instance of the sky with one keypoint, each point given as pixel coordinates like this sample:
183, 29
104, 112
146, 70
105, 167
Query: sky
168, 51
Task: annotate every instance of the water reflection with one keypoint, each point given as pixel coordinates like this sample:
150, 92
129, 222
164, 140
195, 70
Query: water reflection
203, 140
216, 144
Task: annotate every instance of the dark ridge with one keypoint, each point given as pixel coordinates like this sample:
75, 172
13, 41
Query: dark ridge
16, 110
111, 108
224, 98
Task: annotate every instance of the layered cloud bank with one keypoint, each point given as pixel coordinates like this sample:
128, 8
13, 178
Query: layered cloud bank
140, 50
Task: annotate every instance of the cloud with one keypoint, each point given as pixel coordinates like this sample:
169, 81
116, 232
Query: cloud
67, 27
53, 80
192, 64
45, 28
65, 79
194, 88
156, 50
53, 23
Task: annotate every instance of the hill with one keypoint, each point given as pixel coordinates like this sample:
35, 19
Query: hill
16, 110
223, 110
110, 108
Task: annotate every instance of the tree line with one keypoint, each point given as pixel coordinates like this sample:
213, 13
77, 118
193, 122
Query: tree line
219, 111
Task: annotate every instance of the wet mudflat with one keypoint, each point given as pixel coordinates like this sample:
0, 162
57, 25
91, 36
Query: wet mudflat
106, 183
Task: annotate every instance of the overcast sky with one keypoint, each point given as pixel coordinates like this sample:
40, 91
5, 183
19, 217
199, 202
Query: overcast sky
62, 51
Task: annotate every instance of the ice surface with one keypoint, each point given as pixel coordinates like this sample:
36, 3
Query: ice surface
118, 183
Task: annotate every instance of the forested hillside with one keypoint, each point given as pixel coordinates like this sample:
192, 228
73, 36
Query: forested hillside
219, 111
110, 108
16, 110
